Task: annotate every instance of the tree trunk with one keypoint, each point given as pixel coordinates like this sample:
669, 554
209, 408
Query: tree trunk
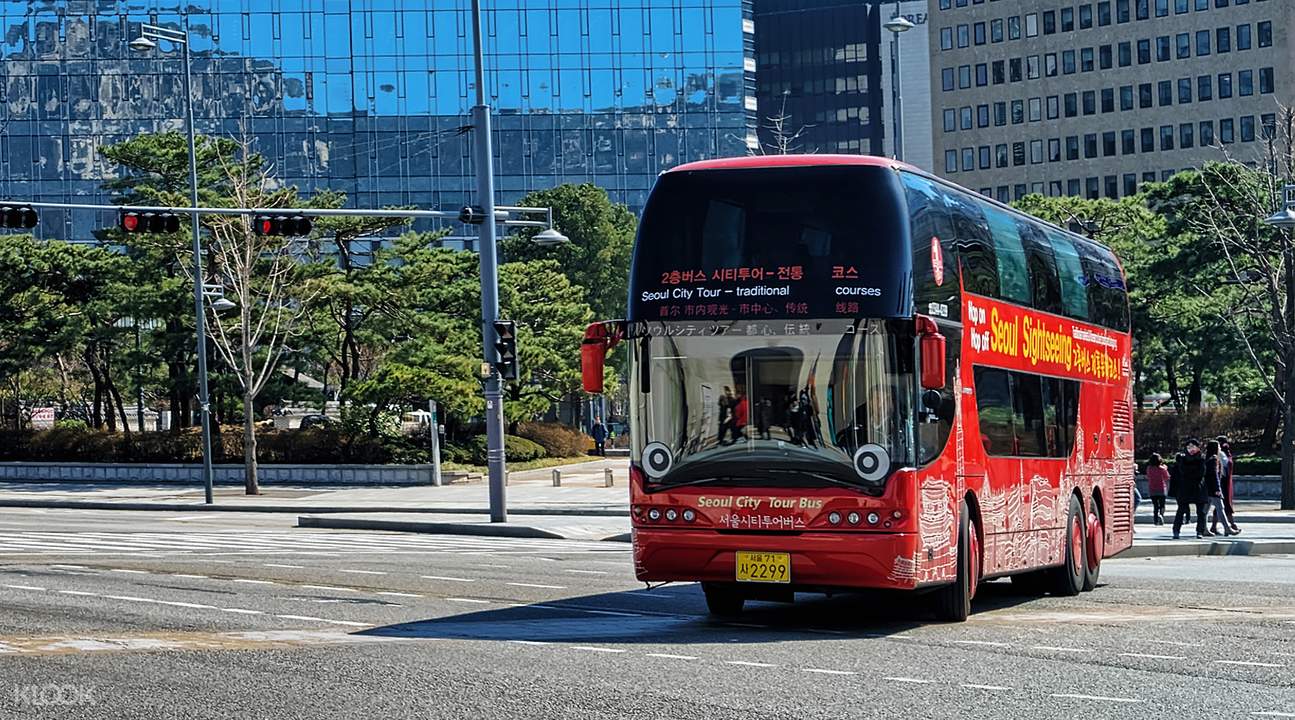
1268, 441
250, 480
1288, 454
1171, 376
1194, 391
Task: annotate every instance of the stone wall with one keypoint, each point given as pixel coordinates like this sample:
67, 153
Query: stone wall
224, 474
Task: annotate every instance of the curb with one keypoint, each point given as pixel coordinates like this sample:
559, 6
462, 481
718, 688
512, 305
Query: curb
1225, 547
322, 509
1260, 518
441, 528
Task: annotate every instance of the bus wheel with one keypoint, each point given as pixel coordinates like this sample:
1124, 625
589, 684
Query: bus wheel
1068, 579
1095, 547
723, 600
953, 602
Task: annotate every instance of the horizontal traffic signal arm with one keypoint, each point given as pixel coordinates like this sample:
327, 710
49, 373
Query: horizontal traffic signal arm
18, 217
502, 211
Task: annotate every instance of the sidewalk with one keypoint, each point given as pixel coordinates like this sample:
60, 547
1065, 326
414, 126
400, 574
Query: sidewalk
1256, 538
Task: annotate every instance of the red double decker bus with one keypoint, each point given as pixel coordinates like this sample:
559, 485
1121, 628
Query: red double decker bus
847, 373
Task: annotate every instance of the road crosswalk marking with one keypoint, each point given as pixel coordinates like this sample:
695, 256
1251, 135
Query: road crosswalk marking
17, 544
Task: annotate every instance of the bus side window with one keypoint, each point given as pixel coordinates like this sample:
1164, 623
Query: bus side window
1027, 406
1107, 301
1014, 281
994, 409
1053, 433
974, 245
1045, 290
937, 422
1067, 414
1070, 272
929, 220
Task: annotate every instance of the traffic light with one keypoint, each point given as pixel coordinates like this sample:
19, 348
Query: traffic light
19, 217
149, 222
282, 225
506, 349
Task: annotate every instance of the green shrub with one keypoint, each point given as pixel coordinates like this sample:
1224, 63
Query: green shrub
516, 449
558, 440
71, 424
1163, 432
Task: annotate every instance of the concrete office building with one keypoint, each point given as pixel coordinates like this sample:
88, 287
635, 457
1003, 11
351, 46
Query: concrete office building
914, 83
1094, 98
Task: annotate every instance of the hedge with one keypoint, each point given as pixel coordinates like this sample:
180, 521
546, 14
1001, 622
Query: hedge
557, 440
516, 449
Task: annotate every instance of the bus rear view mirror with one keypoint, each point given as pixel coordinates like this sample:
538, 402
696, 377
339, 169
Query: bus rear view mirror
600, 338
931, 346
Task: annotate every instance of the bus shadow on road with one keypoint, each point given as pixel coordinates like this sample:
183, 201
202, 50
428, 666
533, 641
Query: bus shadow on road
622, 618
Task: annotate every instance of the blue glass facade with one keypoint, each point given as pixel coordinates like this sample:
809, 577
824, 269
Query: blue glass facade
371, 96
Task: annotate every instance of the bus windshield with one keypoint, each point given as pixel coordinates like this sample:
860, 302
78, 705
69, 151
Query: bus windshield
774, 403
798, 242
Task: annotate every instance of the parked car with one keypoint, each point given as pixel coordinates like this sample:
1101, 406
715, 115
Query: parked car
316, 421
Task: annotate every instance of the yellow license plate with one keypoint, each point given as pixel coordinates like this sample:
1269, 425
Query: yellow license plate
767, 567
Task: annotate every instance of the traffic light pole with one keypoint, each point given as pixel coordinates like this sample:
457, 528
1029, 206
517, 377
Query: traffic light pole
484, 161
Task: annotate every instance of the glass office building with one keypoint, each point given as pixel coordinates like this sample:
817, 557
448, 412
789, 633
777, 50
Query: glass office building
371, 97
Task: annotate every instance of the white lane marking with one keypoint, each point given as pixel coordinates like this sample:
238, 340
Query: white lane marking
591, 648
249, 581
914, 681
668, 656
398, 594
330, 588
469, 600
1153, 657
986, 643
1274, 713
537, 585
587, 572
191, 576
1172, 642
745, 663
1249, 663
363, 572
591, 611
25, 587
822, 671
1102, 698
323, 620
132, 572
447, 578
242, 611
1054, 648
278, 565
497, 567
530, 642
974, 686
70, 567
76, 592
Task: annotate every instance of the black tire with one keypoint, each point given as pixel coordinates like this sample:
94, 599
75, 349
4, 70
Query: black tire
953, 602
1092, 565
1068, 579
1030, 583
723, 600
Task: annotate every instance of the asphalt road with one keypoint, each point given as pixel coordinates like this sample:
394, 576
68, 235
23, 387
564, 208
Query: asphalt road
156, 615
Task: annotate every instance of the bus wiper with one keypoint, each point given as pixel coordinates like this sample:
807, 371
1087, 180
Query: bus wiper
686, 483
819, 476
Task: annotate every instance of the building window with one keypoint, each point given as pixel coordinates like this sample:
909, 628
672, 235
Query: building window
1248, 128
1112, 187
1086, 59
1014, 27
1094, 188
946, 79
1050, 22
1185, 139
1206, 129
1032, 25
946, 4
1166, 137
1036, 109
1148, 140
1126, 97
1018, 112
1225, 86
1202, 42
1180, 7
978, 33
1243, 37
1067, 19
1266, 81
1130, 184
950, 120
1072, 187
1227, 134
1265, 34
1054, 150
1162, 48
1072, 105
1050, 64
1149, 177
1184, 91
1018, 154
950, 161
986, 159
1000, 114
1108, 100
1202, 5
1143, 11
964, 76
1103, 13
982, 116
1108, 144
968, 159
1246, 83
965, 114
946, 38
1036, 147
1068, 62
1104, 58
1166, 89
1121, 11
1144, 95
1223, 39
1162, 8
1184, 43
1000, 77
982, 75
1128, 142
1000, 156
1014, 69
1205, 87
1085, 16
1032, 67
1072, 147
1268, 123
1090, 145
1144, 51
1054, 107
996, 31
1126, 54
964, 36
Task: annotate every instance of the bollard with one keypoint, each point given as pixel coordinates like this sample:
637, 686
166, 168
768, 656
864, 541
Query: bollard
557, 478
607, 477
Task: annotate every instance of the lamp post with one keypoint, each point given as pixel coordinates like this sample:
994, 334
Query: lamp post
147, 40
897, 25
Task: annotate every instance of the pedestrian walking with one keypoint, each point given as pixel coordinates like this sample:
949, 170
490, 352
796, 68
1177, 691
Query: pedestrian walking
1189, 471
764, 417
599, 433
725, 413
1157, 487
1225, 481
1213, 490
741, 414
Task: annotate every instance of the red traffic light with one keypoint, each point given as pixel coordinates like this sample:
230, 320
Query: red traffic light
282, 225
19, 217
135, 222
130, 221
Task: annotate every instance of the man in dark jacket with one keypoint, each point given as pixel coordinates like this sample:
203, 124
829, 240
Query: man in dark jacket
599, 434
1189, 470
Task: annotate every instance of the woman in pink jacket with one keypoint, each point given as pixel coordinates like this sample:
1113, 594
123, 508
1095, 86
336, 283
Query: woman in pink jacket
1157, 486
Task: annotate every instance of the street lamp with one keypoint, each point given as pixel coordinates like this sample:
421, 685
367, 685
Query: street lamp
147, 41
549, 238
1284, 218
897, 25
